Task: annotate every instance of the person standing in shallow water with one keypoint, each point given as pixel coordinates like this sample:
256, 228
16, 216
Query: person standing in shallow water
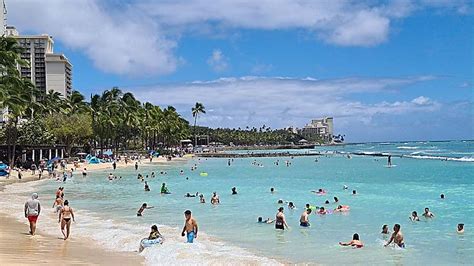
389, 160
397, 237
32, 211
280, 221
190, 227
136, 166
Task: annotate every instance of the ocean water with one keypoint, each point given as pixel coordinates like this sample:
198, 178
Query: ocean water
229, 233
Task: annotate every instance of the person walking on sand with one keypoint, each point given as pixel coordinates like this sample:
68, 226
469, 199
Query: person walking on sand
65, 219
190, 227
32, 211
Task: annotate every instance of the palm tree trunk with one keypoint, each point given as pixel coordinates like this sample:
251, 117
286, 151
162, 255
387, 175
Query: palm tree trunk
195, 139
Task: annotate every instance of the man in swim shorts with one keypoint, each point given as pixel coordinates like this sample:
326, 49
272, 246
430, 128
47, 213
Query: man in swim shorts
32, 211
190, 227
304, 221
397, 237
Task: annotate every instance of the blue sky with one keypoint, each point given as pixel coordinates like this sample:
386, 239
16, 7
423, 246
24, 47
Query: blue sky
386, 70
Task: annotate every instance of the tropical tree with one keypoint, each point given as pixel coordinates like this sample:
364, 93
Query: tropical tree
196, 110
16, 93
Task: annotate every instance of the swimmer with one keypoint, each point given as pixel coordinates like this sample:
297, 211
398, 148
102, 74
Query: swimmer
164, 189
154, 234
201, 199
326, 202
397, 237
345, 187
355, 242
414, 217
152, 174
354, 192
280, 221
142, 208
428, 214
322, 211
442, 196
215, 199
147, 188
280, 201
267, 221
291, 205
385, 230
336, 200
460, 229
111, 176
272, 190
189, 195
234, 191
304, 221
342, 208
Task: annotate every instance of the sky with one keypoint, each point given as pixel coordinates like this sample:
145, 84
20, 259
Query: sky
385, 70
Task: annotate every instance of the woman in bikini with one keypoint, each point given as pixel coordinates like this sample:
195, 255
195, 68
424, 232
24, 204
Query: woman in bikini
65, 219
355, 242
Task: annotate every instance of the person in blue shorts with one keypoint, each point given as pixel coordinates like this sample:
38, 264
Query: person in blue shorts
190, 227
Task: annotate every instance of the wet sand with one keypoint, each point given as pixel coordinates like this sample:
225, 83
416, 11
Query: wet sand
17, 247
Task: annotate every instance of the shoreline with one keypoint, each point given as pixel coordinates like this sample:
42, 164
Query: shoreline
45, 248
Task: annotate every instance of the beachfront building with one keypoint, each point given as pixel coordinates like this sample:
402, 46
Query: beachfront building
47, 70
318, 129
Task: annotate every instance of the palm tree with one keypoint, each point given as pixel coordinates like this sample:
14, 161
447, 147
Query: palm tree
196, 110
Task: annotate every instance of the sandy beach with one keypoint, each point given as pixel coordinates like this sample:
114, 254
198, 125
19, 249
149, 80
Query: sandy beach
44, 248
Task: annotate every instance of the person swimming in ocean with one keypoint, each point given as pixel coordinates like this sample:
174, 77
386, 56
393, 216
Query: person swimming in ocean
142, 208
202, 199
234, 191
355, 242
280, 221
342, 208
291, 206
336, 200
272, 190
188, 195
427, 213
460, 229
154, 235
414, 217
147, 188
215, 199
397, 237
267, 221
164, 189
385, 230
304, 220
322, 211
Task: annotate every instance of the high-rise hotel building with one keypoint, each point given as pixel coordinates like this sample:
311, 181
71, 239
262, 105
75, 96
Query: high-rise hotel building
47, 70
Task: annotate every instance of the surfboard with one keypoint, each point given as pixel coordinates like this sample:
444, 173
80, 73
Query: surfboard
390, 166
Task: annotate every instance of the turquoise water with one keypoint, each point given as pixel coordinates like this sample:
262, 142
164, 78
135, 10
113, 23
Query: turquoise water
385, 196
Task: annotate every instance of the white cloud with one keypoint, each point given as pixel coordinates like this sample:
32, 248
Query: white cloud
217, 61
120, 42
281, 102
138, 37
